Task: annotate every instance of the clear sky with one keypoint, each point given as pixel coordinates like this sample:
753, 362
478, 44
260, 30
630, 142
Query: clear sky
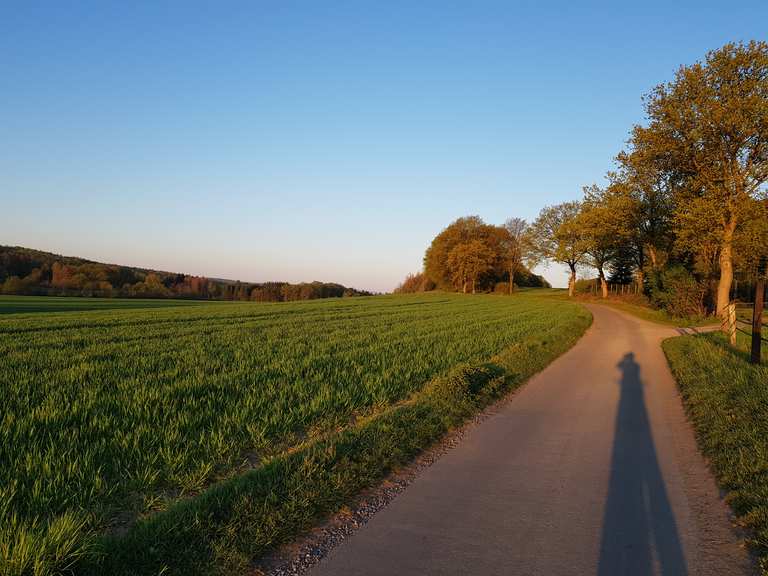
315, 140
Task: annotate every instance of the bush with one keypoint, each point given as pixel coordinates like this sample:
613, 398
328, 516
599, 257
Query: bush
677, 292
528, 279
586, 285
415, 283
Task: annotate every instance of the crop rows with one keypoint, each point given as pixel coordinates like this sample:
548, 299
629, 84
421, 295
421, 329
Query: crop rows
110, 414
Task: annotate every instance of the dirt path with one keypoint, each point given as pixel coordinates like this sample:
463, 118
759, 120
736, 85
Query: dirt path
590, 469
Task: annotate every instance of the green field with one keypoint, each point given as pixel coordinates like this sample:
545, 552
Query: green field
34, 304
727, 400
110, 417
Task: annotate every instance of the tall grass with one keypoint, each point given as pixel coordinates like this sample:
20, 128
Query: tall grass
111, 416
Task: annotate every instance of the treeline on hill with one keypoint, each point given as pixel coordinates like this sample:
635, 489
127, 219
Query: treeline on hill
685, 212
32, 272
472, 256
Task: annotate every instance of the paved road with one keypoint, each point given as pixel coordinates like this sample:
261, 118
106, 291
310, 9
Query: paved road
590, 469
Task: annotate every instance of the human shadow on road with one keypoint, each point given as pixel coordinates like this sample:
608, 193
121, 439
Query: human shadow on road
639, 530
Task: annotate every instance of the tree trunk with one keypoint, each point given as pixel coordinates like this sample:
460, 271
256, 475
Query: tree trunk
603, 283
572, 280
464, 287
640, 278
654, 259
511, 279
473, 285
726, 269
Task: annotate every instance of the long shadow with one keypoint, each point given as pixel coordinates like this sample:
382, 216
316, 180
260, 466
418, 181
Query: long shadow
640, 534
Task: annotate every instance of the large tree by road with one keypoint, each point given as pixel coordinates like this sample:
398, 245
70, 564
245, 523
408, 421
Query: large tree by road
710, 127
556, 236
603, 224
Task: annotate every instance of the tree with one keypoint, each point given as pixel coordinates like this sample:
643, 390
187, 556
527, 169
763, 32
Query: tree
415, 283
644, 189
605, 223
461, 231
515, 247
751, 242
12, 285
622, 267
599, 243
556, 236
710, 127
467, 261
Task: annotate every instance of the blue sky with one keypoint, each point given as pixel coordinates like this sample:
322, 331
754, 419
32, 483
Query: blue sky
318, 140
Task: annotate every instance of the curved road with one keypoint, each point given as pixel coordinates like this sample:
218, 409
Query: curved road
591, 468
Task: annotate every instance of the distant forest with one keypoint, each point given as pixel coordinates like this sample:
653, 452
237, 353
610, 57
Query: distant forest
32, 272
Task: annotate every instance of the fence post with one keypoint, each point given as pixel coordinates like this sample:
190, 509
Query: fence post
732, 323
757, 316
728, 323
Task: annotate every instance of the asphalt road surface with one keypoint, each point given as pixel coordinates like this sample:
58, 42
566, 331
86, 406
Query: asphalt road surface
591, 468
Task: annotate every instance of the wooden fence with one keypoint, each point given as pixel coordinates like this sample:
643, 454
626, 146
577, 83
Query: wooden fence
732, 322
616, 289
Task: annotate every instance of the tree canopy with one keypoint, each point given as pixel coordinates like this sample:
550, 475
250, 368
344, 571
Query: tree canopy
708, 132
687, 204
557, 236
472, 256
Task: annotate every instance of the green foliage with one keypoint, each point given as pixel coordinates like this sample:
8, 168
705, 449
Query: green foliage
689, 191
708, 129
470, 255
727, 400
676, 291
29, 549
110, 415
468, 261
622, 267
557, 236
585, 285
441, 267
414, 283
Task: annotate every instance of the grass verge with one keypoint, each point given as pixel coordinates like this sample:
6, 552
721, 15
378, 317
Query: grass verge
658, 316
234, 522
635, 307
727, 401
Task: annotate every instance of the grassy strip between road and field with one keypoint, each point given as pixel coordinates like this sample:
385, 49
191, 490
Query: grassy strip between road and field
234, 522
645, 312
635, 307
726, 397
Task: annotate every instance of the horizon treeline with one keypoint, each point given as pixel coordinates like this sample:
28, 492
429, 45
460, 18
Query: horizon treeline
24, 271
